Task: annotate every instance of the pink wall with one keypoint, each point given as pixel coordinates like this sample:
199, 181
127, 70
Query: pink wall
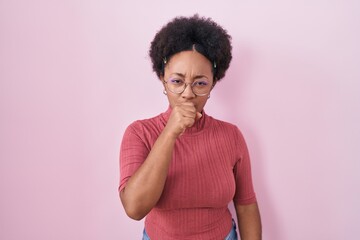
74, 74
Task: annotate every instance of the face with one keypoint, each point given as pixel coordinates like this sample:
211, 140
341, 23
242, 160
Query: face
190, 67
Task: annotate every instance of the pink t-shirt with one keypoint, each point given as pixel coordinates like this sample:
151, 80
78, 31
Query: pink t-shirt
210, 168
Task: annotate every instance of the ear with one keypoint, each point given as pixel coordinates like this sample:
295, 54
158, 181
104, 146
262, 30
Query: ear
162, 81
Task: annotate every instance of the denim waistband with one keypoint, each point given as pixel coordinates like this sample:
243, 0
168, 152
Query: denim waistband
231, 236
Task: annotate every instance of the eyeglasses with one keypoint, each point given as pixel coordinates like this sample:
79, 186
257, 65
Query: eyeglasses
199, 87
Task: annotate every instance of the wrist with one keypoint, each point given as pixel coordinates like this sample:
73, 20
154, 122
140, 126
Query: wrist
169, 134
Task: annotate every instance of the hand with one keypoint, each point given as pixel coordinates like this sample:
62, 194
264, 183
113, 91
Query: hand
183, 116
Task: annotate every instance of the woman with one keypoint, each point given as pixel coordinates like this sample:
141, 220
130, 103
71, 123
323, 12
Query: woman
181, 168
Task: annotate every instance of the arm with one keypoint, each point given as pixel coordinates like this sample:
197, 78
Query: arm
247, 210
145, 186
249, 221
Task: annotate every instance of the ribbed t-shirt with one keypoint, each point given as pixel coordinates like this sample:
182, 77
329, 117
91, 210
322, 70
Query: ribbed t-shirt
210, 167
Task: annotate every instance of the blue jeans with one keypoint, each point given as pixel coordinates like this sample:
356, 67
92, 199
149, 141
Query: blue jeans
231, 236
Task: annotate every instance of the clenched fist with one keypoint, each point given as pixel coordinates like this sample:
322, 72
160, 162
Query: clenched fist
183, 116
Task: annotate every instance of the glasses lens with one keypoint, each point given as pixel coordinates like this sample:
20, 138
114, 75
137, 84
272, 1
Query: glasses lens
176, 85
201, 87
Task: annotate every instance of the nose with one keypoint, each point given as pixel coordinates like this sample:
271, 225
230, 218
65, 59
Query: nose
188, 92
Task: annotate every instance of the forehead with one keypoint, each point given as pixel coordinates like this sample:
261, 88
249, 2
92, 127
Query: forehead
189, 63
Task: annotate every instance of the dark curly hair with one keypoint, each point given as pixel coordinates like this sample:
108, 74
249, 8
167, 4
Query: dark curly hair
187, 33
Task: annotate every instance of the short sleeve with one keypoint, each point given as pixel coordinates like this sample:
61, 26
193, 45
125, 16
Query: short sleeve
244, 193
133, 152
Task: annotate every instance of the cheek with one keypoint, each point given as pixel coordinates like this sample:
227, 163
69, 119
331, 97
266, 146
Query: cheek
201, 103
171, 99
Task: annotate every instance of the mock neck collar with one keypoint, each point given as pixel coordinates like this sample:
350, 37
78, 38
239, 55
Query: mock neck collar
198, 126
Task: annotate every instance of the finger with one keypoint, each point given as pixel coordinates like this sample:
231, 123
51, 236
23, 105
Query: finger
186, 103
187, 106
188, 122
187, 111
198, 116
189, 114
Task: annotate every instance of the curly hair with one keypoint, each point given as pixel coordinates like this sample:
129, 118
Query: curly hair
187, 33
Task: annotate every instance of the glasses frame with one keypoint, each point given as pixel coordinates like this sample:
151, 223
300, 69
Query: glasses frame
191, 86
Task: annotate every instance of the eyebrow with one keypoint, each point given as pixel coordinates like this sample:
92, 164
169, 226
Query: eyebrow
196, 77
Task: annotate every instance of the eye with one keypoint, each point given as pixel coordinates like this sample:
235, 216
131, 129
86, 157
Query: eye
176, 81
201, 83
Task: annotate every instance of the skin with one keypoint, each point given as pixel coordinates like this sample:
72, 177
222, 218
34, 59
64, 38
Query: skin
144, 188
249, 221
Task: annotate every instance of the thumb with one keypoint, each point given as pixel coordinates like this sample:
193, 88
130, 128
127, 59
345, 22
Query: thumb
198, 116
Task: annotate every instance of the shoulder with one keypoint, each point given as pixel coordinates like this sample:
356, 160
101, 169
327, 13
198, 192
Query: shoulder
145, 126
230, 129
223, 125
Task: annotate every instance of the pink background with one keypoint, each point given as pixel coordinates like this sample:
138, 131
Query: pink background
74, 74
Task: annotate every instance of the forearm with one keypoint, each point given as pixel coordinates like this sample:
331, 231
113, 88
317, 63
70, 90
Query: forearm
145, 187
249, 221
